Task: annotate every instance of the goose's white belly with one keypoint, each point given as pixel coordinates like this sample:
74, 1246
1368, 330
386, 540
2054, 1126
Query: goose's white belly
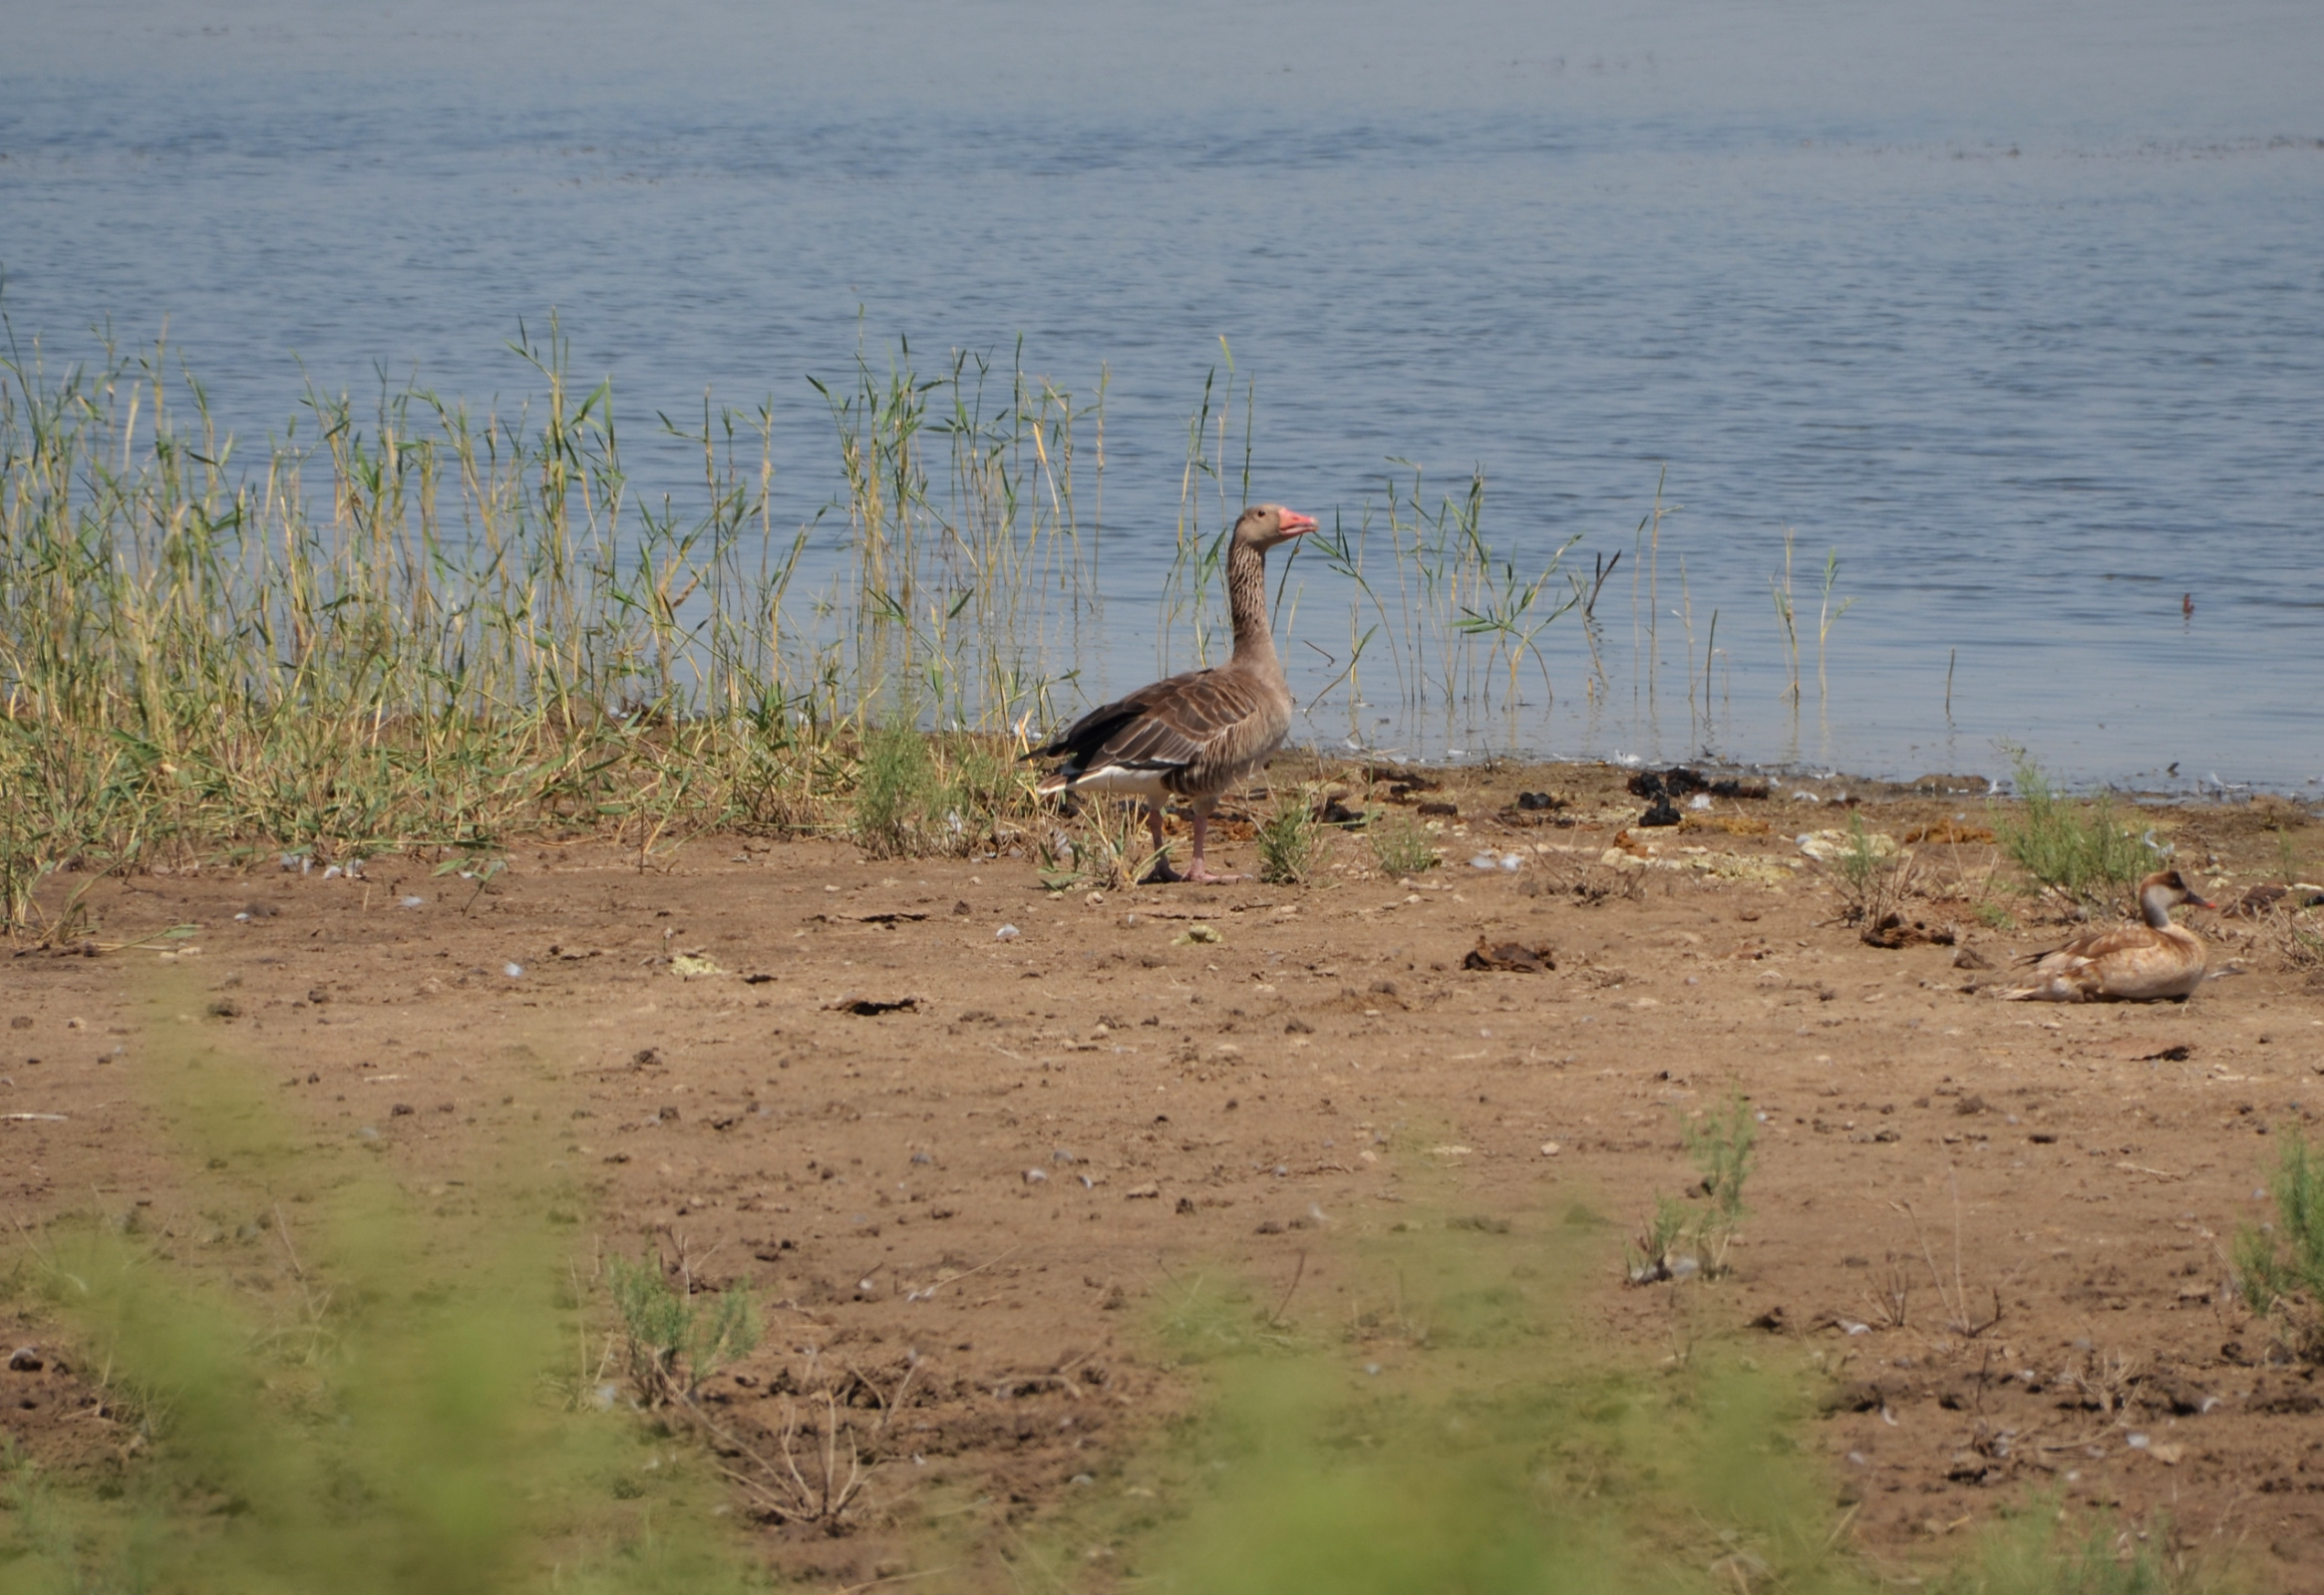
1121, 782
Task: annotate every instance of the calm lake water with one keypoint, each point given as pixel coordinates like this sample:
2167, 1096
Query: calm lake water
2020, 309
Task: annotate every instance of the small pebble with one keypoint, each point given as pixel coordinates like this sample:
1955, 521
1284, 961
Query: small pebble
512, 971
1007, 933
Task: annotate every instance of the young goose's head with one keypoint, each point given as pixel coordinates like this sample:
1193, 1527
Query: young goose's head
2163, 891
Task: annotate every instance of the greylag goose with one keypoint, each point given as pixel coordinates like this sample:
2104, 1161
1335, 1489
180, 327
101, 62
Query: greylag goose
2132, 964
1194, 736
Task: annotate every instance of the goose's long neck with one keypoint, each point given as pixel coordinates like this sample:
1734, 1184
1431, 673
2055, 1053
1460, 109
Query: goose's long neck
1246, 601
2154, 907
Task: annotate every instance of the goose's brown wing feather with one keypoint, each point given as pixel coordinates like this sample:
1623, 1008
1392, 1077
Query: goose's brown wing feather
2091, 948
1179, 725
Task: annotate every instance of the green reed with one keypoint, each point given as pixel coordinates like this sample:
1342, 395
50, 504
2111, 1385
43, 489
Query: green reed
1463, 618
408, 623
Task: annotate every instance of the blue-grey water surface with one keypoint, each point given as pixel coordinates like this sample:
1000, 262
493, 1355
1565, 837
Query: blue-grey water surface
2020, 309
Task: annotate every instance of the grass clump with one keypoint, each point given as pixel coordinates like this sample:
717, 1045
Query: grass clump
2080, 851
898, 800
1103, 843
1401, 844
1458, 1428
2032, 1553
1871, 877
2280, 1267
1292, 842
671, 1343
916, 794
1459, 1423
363, 1398
1679, 1238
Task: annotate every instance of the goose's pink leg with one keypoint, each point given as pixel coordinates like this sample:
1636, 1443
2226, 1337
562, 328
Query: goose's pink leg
1196, 872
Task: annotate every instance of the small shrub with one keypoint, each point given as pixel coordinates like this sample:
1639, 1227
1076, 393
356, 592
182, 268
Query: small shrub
1655, 1253
2080, 851
1402, 844
898, 796
1870, 877
1677, 1239
982, 791
2281, 1268
1291, 841
1720, 1144
673, 1345
2032, 1553
1107, 847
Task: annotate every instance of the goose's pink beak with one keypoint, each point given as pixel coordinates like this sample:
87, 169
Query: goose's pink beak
1295, 523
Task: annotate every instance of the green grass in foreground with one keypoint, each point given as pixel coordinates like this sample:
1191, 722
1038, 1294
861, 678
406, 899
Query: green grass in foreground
2280, 1266
381, 1399
1465, 1429
380, 1394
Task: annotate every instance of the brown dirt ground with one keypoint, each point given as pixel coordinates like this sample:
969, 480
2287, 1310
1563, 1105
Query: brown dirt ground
988, 1178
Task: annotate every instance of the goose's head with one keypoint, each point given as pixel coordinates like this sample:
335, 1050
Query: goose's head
1265, 527
2169, 889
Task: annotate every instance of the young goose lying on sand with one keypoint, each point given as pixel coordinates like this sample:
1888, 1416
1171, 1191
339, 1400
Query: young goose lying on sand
1193, 736
2133, 964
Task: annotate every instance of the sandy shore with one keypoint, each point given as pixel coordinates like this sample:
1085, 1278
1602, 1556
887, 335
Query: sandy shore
911, 1135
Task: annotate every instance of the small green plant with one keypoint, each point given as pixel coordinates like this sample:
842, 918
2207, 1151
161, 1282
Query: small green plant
1993, 917
899, 797
2080, 851
2280, 1267
1870, 877
1402, 844
673, 1345
1655, 1253
1676, 1239
1291, 839
2031, 1552
1107, 847
1720, 1144
2300, 946
1828, 616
